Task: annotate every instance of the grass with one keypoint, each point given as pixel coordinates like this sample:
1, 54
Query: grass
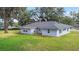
13, 41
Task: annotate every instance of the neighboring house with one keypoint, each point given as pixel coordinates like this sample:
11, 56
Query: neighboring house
12, 27
49, 28
1, 24
1, 27
76, 26
9, 27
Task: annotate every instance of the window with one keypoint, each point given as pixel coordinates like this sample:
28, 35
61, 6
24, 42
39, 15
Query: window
38, 29
48, 31
60, 31
67, 29
24, 30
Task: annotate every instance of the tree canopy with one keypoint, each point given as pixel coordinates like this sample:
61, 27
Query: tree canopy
48, 13
7, 13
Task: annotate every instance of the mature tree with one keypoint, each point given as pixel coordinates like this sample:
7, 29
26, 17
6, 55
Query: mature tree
75, 16
48, 13
68, 20
24, 16
7, 13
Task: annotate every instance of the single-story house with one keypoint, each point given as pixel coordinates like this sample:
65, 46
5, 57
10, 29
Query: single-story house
49, 28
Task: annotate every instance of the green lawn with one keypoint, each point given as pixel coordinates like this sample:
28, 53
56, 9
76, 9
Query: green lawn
13, 41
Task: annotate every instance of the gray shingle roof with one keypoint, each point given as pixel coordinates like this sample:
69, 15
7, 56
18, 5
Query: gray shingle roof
47, 25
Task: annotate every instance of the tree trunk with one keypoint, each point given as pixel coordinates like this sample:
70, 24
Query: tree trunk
5, 21
5, 25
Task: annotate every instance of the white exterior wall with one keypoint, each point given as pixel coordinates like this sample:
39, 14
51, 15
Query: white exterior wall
29, 31
63, 32
55, 32
45, 32
52, 32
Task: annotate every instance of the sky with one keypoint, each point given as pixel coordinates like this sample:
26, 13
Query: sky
69, 9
